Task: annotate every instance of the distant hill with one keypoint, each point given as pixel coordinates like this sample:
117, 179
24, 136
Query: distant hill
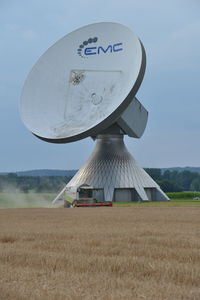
180, 169
68, 173
46, 172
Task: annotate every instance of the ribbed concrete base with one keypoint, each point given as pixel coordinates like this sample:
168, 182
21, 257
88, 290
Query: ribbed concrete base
115, 175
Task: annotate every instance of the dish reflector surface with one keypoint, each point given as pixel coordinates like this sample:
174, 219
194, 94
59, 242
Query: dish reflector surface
83, 83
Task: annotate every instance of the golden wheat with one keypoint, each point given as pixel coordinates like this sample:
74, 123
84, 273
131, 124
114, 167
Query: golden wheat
100, 253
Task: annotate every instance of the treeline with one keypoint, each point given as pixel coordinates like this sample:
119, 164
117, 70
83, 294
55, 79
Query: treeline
13, 182
176, 181
169, 181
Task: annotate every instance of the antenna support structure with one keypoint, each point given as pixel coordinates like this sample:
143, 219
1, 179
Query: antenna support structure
115, 175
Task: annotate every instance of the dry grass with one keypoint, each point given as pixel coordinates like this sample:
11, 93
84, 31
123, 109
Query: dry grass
100, 253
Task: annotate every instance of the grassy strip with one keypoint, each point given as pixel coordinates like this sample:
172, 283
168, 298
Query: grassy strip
184, 200
158, 204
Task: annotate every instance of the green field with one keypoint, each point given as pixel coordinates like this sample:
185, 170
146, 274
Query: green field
183, 195
19, 200
171, 203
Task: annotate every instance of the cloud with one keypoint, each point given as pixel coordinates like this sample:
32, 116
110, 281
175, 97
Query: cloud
16, 31
179, 50
28, 34
169, 31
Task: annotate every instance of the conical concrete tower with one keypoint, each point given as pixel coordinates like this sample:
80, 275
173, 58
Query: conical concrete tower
115, 175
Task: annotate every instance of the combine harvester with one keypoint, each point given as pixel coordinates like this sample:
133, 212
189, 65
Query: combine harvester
82, 196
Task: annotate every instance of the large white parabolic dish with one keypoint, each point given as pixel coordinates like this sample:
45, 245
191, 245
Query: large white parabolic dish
83, 83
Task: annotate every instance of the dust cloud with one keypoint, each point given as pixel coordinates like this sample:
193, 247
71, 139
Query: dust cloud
12, 198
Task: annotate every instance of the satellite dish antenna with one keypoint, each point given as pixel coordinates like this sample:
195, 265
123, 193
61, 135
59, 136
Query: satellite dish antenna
85, 85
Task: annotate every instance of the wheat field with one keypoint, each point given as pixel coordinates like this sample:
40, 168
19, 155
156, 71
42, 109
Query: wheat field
100, 253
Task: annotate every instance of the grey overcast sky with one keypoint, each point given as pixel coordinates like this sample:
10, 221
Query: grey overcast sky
170, 32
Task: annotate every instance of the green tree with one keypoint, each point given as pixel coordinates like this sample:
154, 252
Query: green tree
169, 186
154, 173
195, 185
186, 178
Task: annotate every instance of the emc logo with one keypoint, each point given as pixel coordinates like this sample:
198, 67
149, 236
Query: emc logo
87, 48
